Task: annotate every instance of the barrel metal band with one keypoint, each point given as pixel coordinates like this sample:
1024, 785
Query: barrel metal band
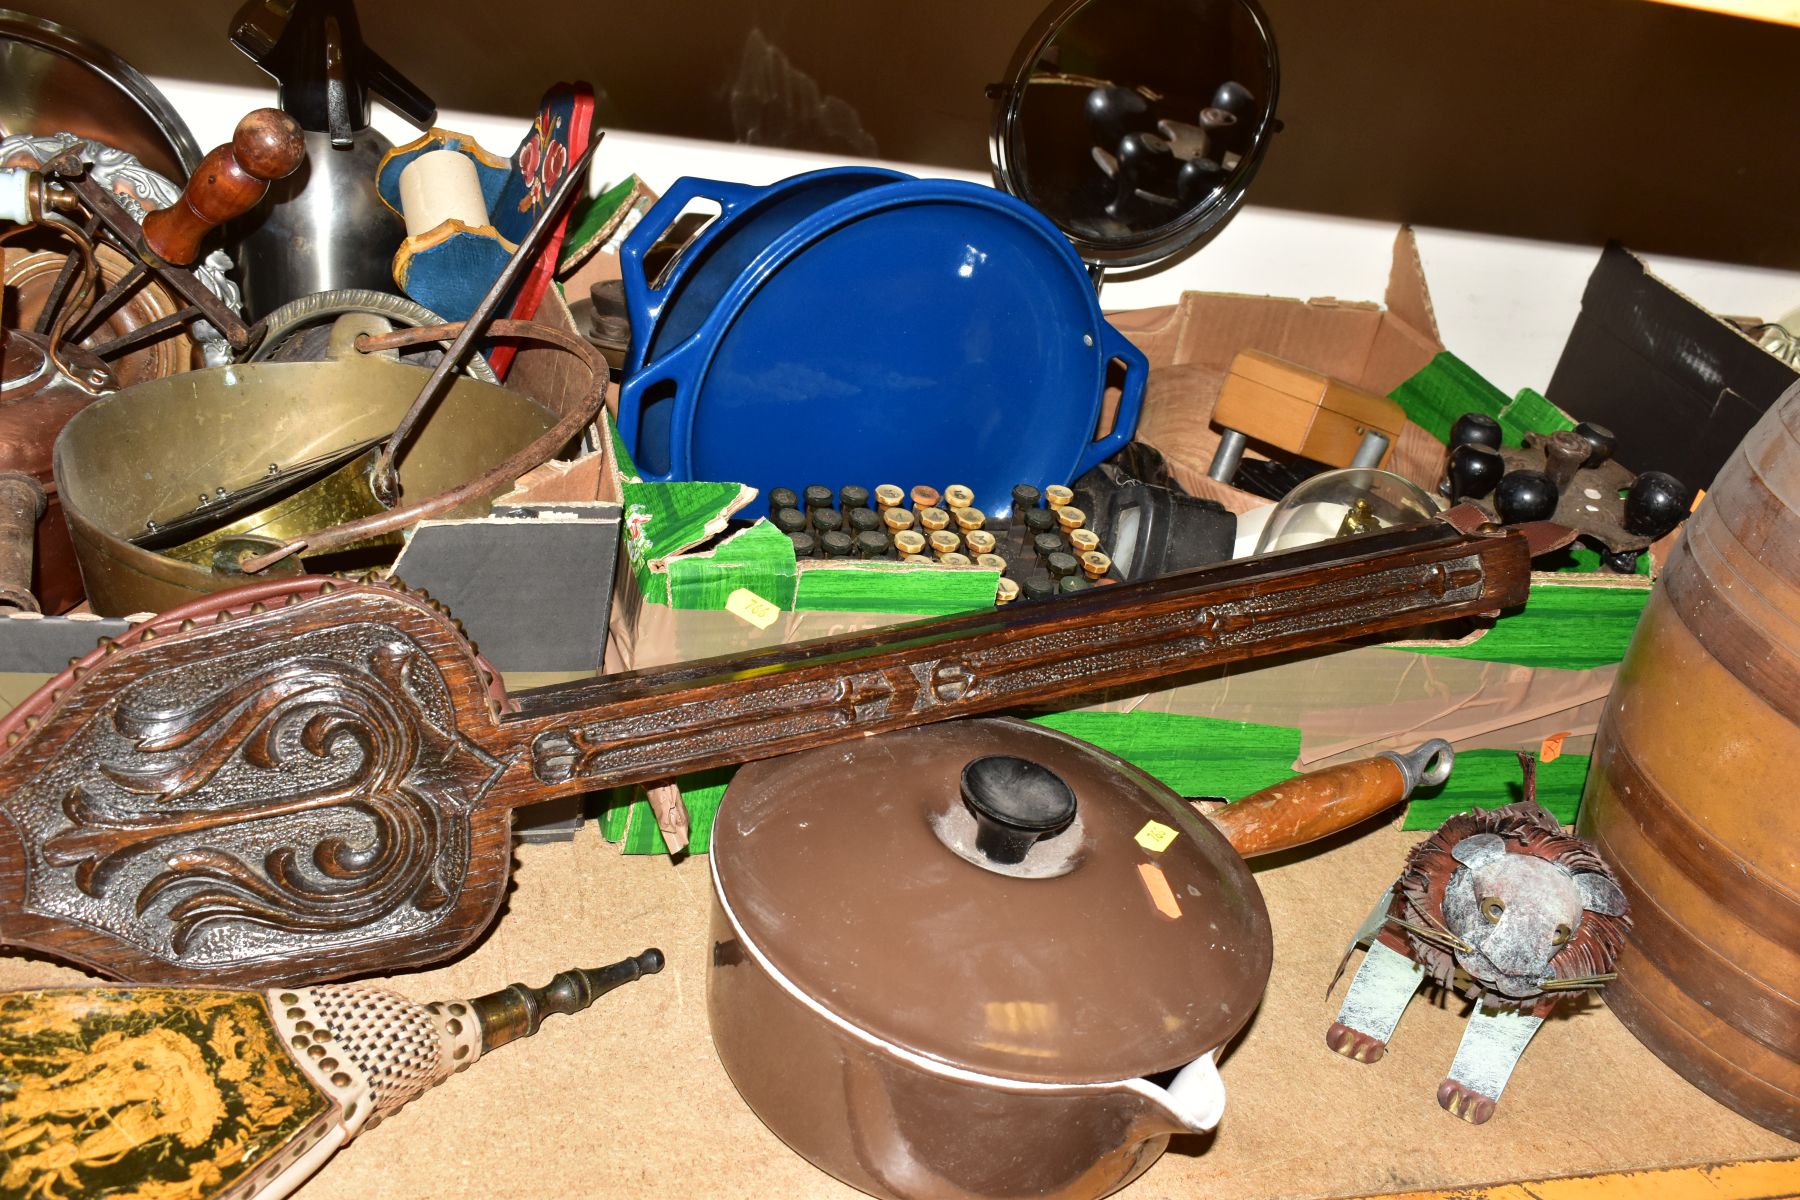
1763, 664
1715, 868
1741, 1000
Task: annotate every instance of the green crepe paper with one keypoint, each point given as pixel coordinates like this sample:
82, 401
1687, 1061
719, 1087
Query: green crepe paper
1447, 387
896, 587
1192, 756
591, 218
760, 558
1490, 778
1570, 628
1532, 412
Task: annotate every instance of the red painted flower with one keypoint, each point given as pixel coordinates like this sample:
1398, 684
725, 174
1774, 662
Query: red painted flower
542, 160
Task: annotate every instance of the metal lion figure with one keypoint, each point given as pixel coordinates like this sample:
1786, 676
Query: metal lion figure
1505, 909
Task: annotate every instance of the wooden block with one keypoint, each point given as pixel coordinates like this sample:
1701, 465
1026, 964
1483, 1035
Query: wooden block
1291, 408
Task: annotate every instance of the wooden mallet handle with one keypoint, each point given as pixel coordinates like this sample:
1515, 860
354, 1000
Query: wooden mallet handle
1308, 807
228, 183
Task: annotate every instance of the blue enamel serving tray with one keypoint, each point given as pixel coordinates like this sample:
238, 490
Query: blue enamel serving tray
870, 328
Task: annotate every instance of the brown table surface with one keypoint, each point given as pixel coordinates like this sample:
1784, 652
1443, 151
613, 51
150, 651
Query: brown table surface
628, 1099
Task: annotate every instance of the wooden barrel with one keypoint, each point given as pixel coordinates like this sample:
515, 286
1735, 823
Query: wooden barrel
1694, 796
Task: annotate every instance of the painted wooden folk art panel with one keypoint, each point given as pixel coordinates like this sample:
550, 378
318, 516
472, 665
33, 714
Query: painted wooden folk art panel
146, 1093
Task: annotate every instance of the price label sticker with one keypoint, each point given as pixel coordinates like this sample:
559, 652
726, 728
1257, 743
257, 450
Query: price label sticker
1551, 750
1156, 837
752, 608
1162, 896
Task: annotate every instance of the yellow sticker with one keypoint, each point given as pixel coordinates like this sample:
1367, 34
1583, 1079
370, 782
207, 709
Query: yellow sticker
1156, 837
752, 607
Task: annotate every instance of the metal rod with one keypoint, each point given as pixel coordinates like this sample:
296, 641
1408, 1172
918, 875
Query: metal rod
157, 329
382, 475
517, 1011
98, 309
1227, 456
59, 290
1369, 453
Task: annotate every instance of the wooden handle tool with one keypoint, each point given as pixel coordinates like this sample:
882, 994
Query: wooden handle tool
229, 182
201, 1094
1320, 803
304, 779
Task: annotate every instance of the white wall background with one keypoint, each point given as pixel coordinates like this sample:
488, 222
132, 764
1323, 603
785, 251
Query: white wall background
1504, 305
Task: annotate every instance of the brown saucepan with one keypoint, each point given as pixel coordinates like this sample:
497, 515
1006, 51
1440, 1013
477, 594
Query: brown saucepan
988, 959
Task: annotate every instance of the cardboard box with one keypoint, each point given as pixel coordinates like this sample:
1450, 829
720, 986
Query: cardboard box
1369, 346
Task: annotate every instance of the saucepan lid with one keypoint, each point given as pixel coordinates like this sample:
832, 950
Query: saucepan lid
1136, 126
1125, 938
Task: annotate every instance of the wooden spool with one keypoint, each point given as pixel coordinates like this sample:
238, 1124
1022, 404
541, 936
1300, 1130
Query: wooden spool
1691, 794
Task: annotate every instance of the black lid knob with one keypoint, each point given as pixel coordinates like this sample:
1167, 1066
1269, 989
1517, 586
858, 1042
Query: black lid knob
1075, 583
1525, 496
1474, 470
827, 520
1061, 564
790, 520
1475, 428
852, 496
836, 544
780, 498
1047, 544
805, 545
1040, 520
862, 520
1015, 802
1656, 503
871, 545
1036, 586
1024, 497
1235, 99
818, 496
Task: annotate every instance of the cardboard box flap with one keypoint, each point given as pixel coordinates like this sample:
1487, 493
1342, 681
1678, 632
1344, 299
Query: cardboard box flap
1407, 296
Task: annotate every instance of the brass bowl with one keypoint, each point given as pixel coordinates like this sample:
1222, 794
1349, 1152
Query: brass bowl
151, 452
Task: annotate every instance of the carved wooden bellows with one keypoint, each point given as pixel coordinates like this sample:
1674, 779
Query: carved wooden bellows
306, 779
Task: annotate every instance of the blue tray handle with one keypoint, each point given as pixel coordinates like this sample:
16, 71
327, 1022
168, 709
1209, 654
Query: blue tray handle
1131, 400
676, 371
643, 303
